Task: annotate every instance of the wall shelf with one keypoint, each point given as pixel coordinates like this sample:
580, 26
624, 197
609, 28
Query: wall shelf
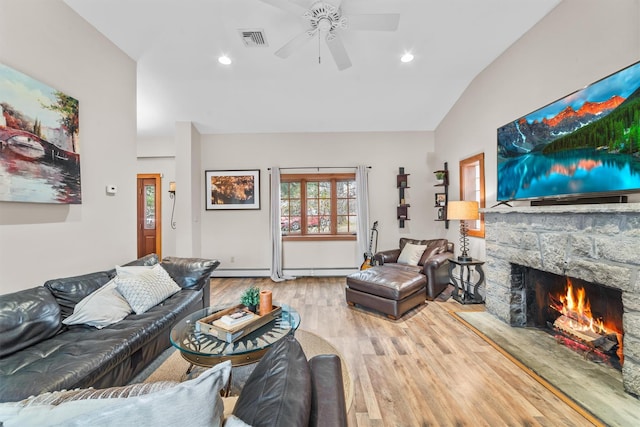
441, 197
402, 183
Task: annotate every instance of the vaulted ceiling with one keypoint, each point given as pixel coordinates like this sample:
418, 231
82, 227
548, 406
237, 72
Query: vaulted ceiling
176, 44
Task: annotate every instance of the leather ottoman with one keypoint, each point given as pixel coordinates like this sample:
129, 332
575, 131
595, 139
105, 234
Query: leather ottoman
392, 291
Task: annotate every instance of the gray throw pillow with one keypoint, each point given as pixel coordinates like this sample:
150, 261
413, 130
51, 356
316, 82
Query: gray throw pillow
69, 291
101, 308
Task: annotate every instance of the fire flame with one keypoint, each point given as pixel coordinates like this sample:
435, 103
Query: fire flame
576, 306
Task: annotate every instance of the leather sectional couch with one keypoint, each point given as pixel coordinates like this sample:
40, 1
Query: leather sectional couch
38, 353
284, 389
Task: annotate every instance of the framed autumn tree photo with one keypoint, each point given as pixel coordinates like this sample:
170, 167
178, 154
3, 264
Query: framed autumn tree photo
232, 189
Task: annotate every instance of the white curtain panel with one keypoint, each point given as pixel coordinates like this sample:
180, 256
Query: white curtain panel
362, 191
277, 274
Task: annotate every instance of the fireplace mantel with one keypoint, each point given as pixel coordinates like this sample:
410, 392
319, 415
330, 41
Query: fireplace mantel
566, 209
598, 243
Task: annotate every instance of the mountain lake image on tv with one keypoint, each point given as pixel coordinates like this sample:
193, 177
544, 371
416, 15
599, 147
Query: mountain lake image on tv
585, 144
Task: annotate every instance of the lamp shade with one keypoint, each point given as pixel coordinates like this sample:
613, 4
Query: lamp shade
172, 187
463, 210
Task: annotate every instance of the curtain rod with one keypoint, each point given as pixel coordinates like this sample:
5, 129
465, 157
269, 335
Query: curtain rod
322, 167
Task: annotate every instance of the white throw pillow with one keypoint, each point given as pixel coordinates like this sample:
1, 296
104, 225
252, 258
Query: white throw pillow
101, 308
54, 398
132, 270
193, 403
146, 288
233, 421
411, 254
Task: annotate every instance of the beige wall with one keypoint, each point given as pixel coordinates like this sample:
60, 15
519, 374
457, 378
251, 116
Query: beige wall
243, 236
49, 42
189, 210
577, 43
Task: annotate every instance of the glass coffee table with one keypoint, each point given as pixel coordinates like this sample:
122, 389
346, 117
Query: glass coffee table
201, 349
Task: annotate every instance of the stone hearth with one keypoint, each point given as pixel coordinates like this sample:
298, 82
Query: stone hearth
596, 243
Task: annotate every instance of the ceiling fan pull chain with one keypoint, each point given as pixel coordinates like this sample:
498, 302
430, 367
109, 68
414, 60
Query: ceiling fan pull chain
319, 60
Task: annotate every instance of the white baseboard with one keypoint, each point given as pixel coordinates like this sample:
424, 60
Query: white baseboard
302, 272
240, 272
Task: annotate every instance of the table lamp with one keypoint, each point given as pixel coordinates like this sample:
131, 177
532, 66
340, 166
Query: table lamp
463, 211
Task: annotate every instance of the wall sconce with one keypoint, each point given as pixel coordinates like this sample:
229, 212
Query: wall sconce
172, 194
463, 211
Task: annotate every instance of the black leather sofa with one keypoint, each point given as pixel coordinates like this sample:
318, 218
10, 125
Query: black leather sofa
286, 389
38, 353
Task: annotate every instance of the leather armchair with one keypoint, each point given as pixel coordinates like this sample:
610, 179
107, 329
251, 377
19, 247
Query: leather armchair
434, 263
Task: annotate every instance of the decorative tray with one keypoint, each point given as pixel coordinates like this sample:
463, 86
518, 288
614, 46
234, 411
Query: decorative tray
213, 325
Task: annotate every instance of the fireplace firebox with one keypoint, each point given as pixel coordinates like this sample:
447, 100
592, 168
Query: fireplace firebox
584, 316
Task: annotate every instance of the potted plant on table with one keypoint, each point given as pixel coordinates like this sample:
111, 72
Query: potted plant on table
251, 298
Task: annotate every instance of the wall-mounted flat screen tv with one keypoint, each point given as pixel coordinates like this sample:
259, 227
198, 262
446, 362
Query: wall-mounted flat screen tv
583, 145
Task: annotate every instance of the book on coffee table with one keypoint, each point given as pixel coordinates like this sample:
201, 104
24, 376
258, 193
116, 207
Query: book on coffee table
236, 317
213, 324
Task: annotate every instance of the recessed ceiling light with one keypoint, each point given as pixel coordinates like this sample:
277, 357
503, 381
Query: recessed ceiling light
224, 60
407, 57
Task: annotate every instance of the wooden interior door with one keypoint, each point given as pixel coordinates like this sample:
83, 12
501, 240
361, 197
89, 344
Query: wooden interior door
149, 215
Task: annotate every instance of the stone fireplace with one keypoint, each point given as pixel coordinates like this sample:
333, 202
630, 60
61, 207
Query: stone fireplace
598, 244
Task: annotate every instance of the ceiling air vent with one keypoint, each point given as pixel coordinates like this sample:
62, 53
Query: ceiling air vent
253, 38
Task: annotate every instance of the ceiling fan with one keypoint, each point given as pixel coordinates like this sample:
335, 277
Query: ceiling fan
324, 20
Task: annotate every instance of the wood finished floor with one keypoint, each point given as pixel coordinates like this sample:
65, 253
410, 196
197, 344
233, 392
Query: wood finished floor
426, 369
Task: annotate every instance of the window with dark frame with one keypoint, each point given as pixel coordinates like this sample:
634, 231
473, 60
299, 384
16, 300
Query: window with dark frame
472, 188
318, 207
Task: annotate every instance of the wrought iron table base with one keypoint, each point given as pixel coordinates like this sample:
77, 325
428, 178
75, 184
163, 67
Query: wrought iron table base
462, 282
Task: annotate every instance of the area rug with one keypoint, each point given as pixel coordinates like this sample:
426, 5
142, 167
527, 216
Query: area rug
593, 390
174, 367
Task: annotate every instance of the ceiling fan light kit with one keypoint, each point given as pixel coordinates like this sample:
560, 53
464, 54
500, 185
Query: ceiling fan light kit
224, 60
326, 19
407, 57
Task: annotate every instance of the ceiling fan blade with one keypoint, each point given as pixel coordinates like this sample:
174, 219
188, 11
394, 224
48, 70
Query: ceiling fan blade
373, 22
296, 8
339, 53
303, 3
294, 44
